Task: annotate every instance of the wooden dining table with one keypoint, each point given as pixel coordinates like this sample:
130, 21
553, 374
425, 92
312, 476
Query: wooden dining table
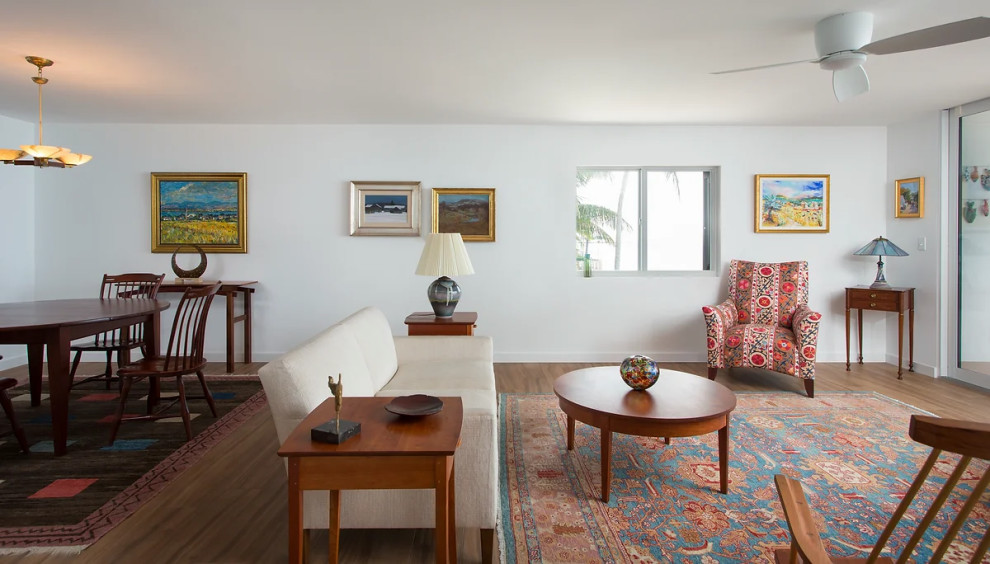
54, 324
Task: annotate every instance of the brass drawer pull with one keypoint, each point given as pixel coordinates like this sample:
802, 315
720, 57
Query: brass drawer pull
873, 305
873, 295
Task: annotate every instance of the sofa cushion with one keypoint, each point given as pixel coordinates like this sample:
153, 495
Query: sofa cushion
374, 338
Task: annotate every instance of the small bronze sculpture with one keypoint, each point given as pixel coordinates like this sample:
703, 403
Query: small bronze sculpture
335, 432
337, 389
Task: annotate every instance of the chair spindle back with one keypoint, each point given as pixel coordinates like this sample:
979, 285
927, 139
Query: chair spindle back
185, 344
127, 286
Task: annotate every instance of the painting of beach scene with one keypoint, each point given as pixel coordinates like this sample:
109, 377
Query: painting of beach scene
910, 195
384, 208
468, 211
199, 209
795, 203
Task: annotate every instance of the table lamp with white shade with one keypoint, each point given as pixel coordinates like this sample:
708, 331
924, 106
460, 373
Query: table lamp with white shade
444, 255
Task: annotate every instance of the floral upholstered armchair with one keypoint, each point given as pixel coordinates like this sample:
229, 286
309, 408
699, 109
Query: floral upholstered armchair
766, 322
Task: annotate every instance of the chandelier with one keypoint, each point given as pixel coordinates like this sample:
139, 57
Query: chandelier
41, 154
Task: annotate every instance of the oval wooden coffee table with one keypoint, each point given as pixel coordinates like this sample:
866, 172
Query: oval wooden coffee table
678, 405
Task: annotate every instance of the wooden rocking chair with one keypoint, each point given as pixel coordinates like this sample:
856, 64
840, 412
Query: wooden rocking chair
968, 439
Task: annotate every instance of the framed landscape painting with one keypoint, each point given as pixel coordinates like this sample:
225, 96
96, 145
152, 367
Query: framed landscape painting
384, 208
792, 203
910, 197
468, 211
204, 209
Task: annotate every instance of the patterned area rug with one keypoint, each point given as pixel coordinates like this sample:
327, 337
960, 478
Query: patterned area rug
63, 504
850, 451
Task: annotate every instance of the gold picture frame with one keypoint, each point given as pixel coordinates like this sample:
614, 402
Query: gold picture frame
909, 197
468, 211
207, 209
791, 203
385, 207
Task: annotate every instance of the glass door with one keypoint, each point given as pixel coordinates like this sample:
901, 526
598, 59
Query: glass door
969, 175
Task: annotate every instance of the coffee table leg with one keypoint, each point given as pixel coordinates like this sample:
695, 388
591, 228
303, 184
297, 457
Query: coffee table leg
723, 456
334, 526
570, 433
606, 461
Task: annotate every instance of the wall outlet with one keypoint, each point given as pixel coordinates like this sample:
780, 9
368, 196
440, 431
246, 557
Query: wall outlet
922, 244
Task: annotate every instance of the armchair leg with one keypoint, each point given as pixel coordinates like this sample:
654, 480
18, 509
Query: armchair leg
487, 546
712, 371
809, 386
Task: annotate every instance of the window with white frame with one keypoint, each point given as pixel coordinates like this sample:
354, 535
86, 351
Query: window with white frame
646, 219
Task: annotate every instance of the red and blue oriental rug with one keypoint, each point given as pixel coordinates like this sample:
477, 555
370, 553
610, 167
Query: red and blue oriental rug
850, 451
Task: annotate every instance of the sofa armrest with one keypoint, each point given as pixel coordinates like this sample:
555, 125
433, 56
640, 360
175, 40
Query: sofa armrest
425, 348
718, 320
805, 327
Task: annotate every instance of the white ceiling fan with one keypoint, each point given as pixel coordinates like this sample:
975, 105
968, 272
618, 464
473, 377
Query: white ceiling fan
843, 42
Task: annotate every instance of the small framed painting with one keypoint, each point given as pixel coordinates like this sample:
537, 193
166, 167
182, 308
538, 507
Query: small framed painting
468, 211
204, 209
910, 197
792, 203
384, 208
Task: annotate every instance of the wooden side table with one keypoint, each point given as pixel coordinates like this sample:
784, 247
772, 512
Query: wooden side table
886, 299
391, 452
425, 323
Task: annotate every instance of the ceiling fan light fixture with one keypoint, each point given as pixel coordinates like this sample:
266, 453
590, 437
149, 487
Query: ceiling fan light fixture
42, 155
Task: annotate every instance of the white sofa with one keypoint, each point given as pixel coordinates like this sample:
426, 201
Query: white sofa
373, 362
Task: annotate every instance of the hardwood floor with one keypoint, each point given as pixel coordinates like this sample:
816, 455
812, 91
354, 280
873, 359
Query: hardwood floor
231, 506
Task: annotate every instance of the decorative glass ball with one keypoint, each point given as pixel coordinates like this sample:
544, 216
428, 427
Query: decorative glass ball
639, 372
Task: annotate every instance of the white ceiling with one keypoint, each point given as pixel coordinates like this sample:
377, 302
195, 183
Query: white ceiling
469, 61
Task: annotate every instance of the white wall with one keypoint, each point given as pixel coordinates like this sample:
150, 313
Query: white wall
97, 219
17, 221
914, 149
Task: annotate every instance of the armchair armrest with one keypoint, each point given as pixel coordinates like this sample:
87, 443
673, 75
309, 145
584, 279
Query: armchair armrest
805, 326
718, 320
424, 348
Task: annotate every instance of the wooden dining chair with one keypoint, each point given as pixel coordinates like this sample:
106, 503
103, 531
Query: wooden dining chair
120, 341
966, 439
8, 408
183, 356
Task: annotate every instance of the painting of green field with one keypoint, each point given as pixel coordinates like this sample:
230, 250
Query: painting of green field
199, 212
209, 232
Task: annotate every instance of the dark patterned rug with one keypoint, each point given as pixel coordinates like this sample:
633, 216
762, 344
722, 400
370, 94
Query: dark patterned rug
67, 503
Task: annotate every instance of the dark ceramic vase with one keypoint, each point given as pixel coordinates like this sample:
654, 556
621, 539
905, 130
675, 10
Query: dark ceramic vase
444, 294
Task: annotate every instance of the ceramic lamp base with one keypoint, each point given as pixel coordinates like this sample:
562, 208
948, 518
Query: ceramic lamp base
444, 294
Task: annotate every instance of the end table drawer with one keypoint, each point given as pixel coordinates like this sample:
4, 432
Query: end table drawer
872, 299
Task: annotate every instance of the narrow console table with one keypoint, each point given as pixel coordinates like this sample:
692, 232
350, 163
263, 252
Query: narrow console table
230, 289
885, 299
425, 323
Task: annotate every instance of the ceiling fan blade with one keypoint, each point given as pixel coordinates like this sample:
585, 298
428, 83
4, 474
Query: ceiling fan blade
850, 82
946, 34
766, 66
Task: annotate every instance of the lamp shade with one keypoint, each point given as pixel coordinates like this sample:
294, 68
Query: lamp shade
444, 255
882, 248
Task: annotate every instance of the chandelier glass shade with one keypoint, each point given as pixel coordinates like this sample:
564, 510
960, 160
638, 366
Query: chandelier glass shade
42, 155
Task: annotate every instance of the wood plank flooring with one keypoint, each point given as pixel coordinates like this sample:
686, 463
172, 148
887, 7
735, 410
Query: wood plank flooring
231, 506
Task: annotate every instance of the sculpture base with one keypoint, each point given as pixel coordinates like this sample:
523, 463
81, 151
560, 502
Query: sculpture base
329, 432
